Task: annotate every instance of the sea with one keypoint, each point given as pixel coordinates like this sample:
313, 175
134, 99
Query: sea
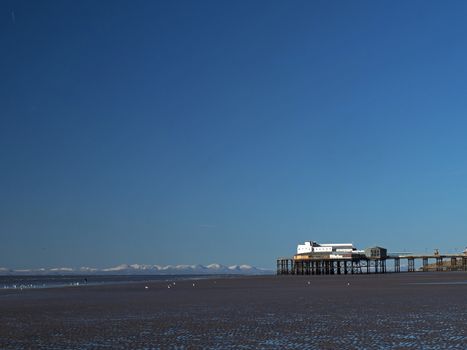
57, 281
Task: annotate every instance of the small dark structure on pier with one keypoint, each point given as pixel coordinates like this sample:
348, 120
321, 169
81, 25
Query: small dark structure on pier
376, 253
375, 260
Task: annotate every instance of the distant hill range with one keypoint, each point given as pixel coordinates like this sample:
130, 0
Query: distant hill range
137, 269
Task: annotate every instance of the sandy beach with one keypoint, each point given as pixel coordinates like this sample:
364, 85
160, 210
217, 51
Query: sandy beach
393, 311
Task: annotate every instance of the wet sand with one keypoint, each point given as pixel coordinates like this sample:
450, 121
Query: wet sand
393, 311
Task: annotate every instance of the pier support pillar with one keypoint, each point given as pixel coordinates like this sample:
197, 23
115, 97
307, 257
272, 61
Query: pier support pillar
439, 263
284, 266
397, 265
425, 264
411, 264
453, 264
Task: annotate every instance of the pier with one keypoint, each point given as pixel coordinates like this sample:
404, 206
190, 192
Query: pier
361, 264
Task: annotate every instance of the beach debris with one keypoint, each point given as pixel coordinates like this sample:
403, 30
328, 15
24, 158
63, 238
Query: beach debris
348, 283
146, 287
308, 282
193, 284
174, 283
168, 286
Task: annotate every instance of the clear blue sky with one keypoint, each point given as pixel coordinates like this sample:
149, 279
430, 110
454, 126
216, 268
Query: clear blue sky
229, 131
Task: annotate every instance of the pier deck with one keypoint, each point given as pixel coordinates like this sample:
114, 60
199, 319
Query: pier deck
305, 265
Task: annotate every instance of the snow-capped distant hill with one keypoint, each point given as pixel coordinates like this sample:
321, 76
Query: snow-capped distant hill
137, 269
